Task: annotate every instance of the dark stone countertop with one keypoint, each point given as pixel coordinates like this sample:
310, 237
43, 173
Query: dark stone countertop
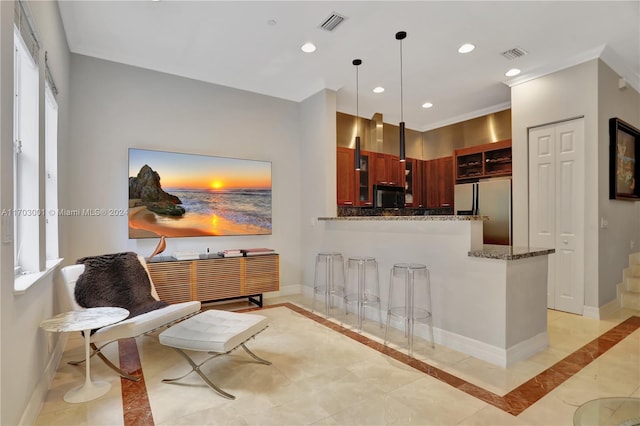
450, 218
490, 251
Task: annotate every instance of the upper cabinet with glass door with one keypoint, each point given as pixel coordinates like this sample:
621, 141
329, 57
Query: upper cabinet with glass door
482, 161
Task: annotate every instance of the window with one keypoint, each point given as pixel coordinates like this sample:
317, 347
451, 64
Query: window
35, 172
26, 159
51, 169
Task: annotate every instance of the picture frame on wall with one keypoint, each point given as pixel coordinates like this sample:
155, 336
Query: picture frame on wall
624, 161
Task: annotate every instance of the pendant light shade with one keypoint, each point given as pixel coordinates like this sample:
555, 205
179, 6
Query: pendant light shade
356, 157
401, 35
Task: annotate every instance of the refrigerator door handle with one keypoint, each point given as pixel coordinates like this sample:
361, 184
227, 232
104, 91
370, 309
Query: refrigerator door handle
476, 195
473, 198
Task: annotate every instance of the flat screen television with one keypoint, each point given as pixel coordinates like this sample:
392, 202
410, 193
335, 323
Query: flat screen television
175, 194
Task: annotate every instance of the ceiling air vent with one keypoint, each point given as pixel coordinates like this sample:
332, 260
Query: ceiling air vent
332, 21
514, 53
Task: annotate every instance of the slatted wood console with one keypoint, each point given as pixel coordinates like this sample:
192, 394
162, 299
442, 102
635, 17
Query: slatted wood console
216, 279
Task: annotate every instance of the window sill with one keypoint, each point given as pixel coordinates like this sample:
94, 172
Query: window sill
23, 282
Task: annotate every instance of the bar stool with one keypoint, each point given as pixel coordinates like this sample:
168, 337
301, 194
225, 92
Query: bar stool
414, 277
328, 279
366, 289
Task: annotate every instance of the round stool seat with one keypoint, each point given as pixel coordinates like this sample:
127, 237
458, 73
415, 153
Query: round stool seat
410, 266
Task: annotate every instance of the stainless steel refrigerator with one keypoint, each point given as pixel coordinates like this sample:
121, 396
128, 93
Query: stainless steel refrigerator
490, 198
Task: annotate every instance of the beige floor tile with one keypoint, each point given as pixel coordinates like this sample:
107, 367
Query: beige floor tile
437, 402
381, 409
321, 377
492, 416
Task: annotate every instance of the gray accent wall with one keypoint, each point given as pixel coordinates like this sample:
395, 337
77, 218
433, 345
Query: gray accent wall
117, 106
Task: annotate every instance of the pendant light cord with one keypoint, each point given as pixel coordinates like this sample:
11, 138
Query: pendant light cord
357, 99
400, 35
401, 86
357, 63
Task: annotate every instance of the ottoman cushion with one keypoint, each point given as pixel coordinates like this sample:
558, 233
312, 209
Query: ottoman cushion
213, 330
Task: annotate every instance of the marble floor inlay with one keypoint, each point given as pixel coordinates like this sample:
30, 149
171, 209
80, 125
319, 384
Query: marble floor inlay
519, 399
320, 378
135, 401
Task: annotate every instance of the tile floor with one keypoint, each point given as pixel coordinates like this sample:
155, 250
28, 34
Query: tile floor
326, 374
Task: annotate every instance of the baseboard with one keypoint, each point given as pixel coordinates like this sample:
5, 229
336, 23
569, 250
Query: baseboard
475, 348
39, 395
492, 354
287, 290
603, 311
591, 312
481, 350
523, 350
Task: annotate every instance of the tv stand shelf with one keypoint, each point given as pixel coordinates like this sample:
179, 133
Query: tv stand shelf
215, 278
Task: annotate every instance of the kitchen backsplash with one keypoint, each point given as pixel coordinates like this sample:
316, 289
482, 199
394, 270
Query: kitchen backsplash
373, 211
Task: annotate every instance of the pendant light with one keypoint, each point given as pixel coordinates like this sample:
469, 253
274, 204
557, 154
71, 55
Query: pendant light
357, 63
401, 35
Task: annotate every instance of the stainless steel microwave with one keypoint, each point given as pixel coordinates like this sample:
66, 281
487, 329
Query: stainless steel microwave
388, 196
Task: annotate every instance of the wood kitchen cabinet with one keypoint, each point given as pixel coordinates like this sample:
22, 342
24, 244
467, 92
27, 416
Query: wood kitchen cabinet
386, 169
439, 183
414, 182
482, 161
346, 176
364, 180
354, 187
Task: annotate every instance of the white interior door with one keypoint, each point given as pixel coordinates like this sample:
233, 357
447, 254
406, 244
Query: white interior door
556, 208
542, 200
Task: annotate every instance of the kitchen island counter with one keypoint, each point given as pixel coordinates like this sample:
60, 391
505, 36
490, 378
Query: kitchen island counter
491, 251
487, 301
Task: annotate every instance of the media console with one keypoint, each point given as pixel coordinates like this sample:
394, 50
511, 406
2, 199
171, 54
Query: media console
214, 278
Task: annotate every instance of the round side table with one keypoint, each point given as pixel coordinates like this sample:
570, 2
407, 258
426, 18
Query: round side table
85, 321
616, 411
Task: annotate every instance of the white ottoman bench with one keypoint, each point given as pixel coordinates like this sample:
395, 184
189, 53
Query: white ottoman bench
215, 332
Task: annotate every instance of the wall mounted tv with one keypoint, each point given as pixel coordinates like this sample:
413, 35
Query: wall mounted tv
187, 195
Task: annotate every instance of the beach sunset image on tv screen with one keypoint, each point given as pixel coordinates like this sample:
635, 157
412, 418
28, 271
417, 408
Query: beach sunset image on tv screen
187, 195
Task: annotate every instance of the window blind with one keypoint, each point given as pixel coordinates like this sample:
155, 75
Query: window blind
24, 23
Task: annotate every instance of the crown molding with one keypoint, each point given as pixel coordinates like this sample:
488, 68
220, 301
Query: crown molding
603, 52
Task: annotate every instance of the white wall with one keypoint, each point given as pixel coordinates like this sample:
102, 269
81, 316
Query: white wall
622, 216
566, 94
117, 106
590, 90
26, 351
318, 175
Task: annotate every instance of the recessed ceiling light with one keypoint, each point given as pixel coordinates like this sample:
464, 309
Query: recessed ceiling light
466, 48
512, 72
271, 22
378, 89
308, 47
427, 105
